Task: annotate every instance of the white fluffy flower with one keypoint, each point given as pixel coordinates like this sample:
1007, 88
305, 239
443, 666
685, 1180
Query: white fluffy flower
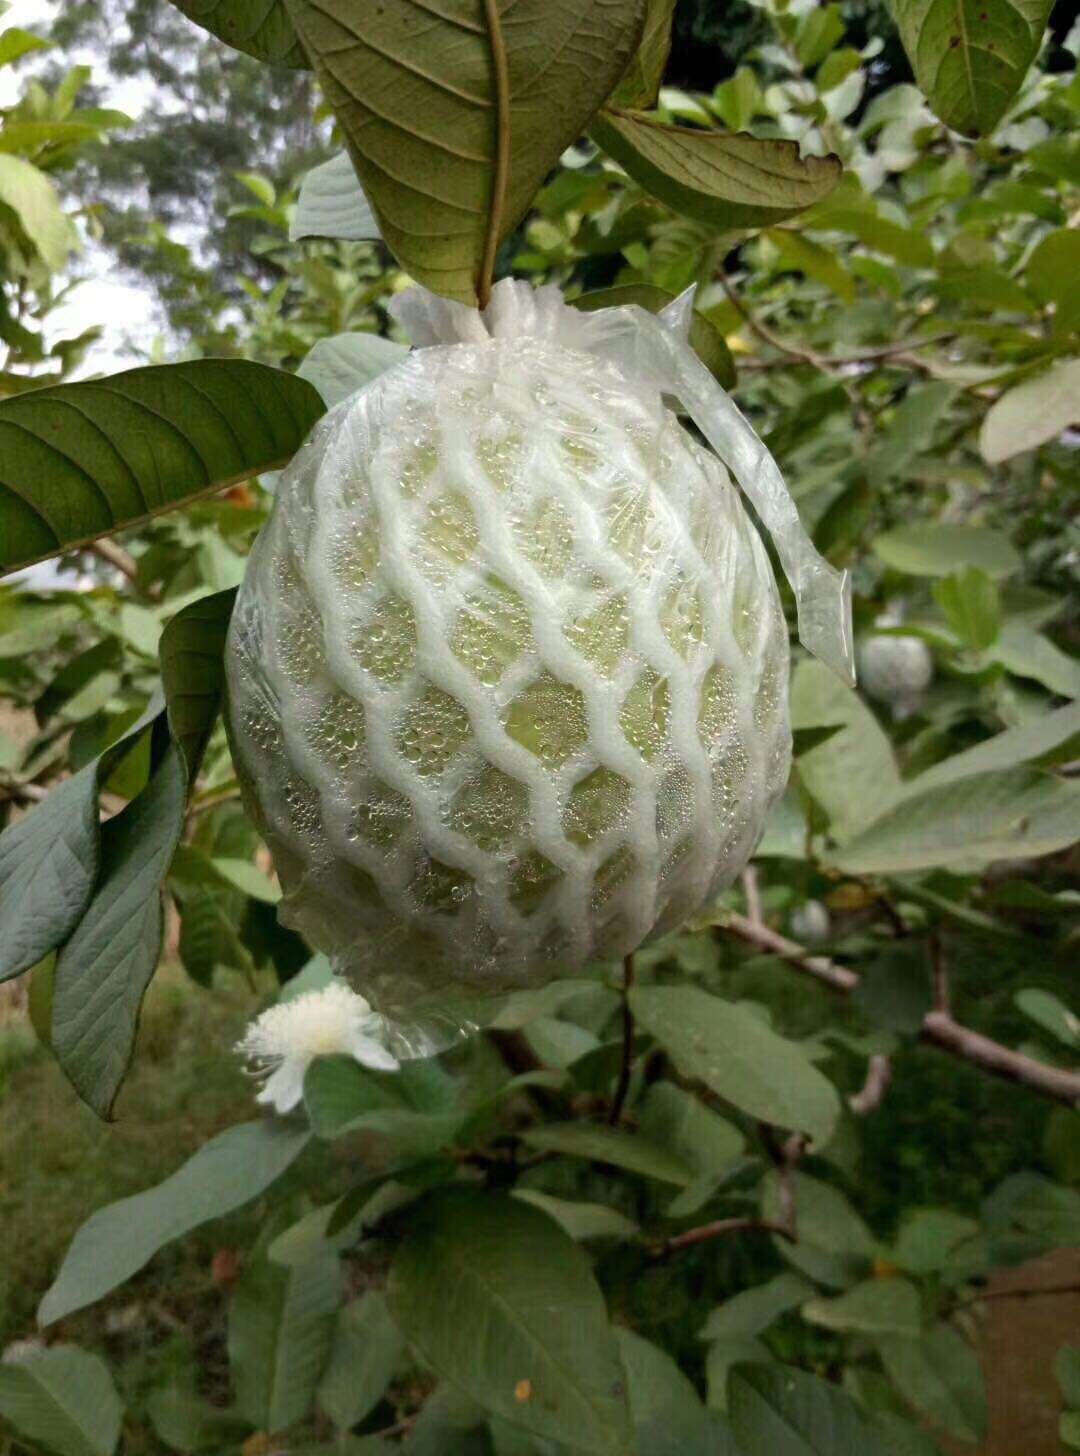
284, 1041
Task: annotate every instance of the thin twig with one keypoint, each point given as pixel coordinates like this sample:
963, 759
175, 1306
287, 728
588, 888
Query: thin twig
115, 556
23, 793
903, 353
752, 892
982, 1295
721, 1226
840, 978
501, 178
627, 1066
871, 1094
938, 1027
939, 974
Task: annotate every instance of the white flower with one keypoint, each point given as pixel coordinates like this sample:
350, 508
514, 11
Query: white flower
284, 1041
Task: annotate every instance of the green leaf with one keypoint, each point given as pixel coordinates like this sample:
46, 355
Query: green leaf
192, 652
261, 28
341, 365
640, 84
803, 256
103, 970
969, 599
673, 1118
64, 1398
940, 548
738, 1057
706, 339
834, 1247
753, 1310
492, 1293
970, 56
1031, 413
580, 1220
1036, 740
116, 1241
1047, 1011
599, 1144
281, 1329
853, 774
16, 43
48, 865
366, 1349
1015, 814
1051, 273
84, 460
247, 878
818, 32
874, 1307
665, 1410
898, 1437
780, 1411
939, 1375
720, 179
1028, 653
1067, 1374
332, 204
904, 244
928, 1237
417, 92
35, 202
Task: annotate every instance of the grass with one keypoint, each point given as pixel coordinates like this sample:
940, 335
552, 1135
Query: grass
58, 1162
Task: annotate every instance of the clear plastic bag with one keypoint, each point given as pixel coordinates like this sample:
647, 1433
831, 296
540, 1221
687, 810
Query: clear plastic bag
508, 671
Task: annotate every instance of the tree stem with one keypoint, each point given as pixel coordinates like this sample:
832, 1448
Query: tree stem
501, 178
627, 1045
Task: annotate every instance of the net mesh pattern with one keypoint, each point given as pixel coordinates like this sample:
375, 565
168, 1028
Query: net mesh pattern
508, 677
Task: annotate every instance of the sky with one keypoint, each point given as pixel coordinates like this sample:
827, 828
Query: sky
126, 312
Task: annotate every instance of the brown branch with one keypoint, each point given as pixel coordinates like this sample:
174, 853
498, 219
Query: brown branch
722, 1226
627, 1066
1049, 1290
871, 1094
840, 978
938, 1027
752, 892
23, 793
501, 179
902, 353
115, 556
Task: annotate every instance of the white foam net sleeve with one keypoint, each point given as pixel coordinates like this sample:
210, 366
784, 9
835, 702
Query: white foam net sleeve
508, 670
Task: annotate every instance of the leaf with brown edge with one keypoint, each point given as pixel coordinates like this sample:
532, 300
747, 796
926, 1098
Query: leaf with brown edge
721, 179
455, 113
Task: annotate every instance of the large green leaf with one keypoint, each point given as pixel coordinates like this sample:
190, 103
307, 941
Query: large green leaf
665, 1409
1033, 412
780, 1411
262, 28
191, 653
970, 56
281, 1330
332, 204
63, 1398
753, 1310
1054, 734
609, 1145
939, 1374
1014, 814
720, 179
115, 1242
734, 1053
443, 105
366, 1349
499, 1301
639, 86
48, 864
853, 774
83, 460
34, 201
834, 1246
341, 365
939, 548
874, 1307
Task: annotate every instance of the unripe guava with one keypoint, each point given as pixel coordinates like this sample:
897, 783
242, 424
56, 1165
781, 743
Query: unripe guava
894, 670
507, 677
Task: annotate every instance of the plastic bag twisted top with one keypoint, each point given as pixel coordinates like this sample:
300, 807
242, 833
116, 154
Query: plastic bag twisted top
508, 677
